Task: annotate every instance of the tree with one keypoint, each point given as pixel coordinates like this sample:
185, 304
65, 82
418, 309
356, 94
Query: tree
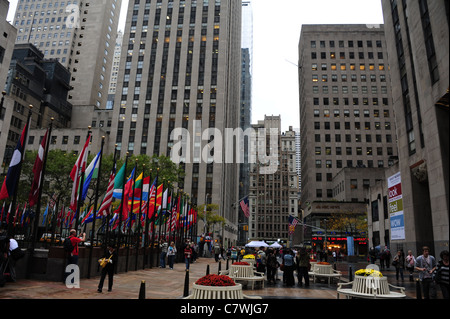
348, 222
212, 217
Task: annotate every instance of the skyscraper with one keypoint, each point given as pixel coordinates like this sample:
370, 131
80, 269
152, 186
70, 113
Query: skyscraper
180, 68
346, 113
80, 35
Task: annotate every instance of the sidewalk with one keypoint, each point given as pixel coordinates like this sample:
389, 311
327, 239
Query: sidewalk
163, 283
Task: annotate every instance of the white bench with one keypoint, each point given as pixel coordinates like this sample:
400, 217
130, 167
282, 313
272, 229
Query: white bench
326, 271
370, 288
208, 292
243, 273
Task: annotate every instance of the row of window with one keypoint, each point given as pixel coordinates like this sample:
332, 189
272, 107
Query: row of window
348, 138
345, 89
343, 67
346, 100
353, 78
339, 163
357, 125
349, 151
350, 44
342, 55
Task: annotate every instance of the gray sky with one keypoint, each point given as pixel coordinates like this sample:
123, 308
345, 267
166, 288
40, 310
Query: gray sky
276, 33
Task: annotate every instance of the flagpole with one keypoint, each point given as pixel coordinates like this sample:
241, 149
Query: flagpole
110, 210
80, 188
147, 206
138, 241
38, 205
154, 219
94, 212
10, 228
130, 215
119, 234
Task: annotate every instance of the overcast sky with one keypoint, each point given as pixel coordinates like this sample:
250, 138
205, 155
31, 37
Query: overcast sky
276, 33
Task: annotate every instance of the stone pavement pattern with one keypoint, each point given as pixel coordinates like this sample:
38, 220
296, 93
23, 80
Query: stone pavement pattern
164, 283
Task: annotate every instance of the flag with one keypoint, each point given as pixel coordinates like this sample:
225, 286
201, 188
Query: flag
106, 204
292, 223
118, 183
90, 173
77, 170
164, 199
37, 171
7, 214
45, 216
244, 206
89, 217
12, 177
3, 211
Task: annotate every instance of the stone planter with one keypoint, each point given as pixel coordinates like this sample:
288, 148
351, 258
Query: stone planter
241, 271
322, 269
252, 262
209, 292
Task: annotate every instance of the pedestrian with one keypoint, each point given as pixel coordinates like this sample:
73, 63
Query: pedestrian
261, 266
426, 264
216, 251
171, 252
303, 266
194, 252
334, 255
162, 257
410, 261
73, 255
289, 266
399, 263
388, 256
382, 259
272, 266
110, 258
442, 274
187, 256
234, 254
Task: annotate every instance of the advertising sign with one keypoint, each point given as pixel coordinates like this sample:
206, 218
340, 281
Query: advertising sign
396, 207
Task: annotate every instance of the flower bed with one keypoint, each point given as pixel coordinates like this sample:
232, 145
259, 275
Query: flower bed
215, 281
323, 263
368, 272
241, 263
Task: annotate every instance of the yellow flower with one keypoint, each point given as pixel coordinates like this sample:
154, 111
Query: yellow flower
249, 256
368, 272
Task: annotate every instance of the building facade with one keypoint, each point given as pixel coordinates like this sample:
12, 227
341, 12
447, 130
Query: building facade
79, 34
7, 40
180, 69
417, 38
273, 196
346, 115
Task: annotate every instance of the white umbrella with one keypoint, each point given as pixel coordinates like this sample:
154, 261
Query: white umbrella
256, 243
275, 245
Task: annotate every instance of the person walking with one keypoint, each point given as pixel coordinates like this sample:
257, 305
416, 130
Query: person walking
171, 252
162, 257
111, 258
187, 256
442, 274
426, 264
216, 251
261, 266
303, 266
410, 261
399, 263
272, 266
289, 268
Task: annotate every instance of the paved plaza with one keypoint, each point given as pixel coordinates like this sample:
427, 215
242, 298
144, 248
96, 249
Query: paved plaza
164, 283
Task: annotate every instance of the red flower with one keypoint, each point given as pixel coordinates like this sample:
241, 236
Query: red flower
241, 263
216, 281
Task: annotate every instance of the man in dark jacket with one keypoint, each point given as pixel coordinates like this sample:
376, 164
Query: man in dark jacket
111, 257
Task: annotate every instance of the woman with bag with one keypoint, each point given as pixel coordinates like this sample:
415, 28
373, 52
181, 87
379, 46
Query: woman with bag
171, 252
303, 266
399, 263
410, 262
108, 263
442, 274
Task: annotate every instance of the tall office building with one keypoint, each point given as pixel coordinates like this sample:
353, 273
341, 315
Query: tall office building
79, 34
245, 115
417, 38
273, 197
346, 112
180, 68
7, 39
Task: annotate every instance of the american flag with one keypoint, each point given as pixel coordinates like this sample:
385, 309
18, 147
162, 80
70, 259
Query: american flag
106, 204
292, 223
245, 207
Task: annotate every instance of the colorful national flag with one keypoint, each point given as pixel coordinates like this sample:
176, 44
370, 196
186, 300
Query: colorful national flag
77, 170
13, 175
118, 183
45, 216
37, 172
90, 173
106, 204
